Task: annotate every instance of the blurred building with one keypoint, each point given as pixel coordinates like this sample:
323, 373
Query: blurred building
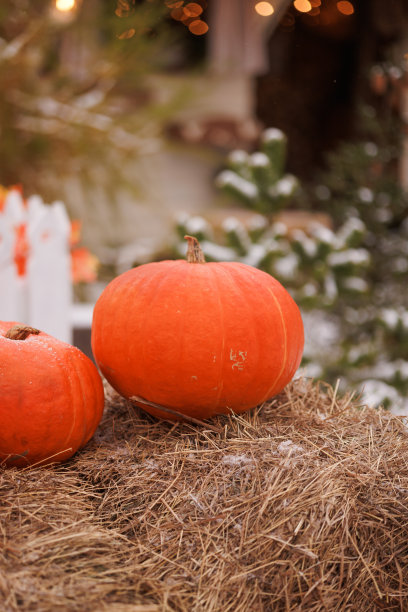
301, 65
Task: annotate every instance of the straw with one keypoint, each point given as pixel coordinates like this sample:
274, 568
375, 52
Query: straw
299, 504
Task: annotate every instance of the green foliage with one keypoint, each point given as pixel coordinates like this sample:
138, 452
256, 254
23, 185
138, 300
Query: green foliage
67, 81
257, 180
361, 179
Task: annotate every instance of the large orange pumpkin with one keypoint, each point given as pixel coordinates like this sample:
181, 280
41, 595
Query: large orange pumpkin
51, 397
196, 338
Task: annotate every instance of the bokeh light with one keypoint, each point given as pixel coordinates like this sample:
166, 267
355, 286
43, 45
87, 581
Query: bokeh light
198, 27
264, 8
345, 7
189, 15
303, 6
192, 9
127, 34
64, 5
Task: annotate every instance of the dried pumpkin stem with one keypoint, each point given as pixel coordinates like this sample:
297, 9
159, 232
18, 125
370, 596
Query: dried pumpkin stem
194, 251
21, 332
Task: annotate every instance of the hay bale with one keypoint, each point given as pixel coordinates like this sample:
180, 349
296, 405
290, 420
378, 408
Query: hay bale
297, 505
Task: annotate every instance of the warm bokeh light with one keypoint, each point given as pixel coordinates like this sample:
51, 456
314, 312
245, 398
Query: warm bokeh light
315, 3
64, 5
264, 8
189, 15
123, 8
198, 27
127, 34
192, 9
345, 7
303, 6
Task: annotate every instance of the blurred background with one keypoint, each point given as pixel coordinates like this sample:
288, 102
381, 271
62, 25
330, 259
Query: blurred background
276, 132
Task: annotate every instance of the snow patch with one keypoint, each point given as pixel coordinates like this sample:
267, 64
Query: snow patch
390, 317
284, 187
231, 224
365, 195
196, 501
238, 157
287, 447
217, 252
287, 266
279, 229
355, 257
258, 222
308, 245
228, 178
330, 287
196, 225
271, 134
354, 283
376, 392
238, 461
371, 149
259, 160
149, 464
256, 254
323, 234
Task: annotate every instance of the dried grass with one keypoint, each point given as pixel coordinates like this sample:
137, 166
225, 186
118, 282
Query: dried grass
298, 505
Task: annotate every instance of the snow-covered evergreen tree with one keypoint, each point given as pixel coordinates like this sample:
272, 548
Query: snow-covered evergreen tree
257, 179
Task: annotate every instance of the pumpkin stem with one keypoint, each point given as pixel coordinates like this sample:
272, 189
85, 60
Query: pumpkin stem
21, 332
194, 251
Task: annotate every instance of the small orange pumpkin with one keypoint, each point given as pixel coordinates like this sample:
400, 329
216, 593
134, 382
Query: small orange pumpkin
51, 397
196, 339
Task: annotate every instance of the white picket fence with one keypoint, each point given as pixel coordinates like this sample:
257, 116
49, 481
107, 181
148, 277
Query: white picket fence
42, 296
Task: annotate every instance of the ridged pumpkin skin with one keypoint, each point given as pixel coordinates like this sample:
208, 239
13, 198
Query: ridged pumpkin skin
51, 399
197, 338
